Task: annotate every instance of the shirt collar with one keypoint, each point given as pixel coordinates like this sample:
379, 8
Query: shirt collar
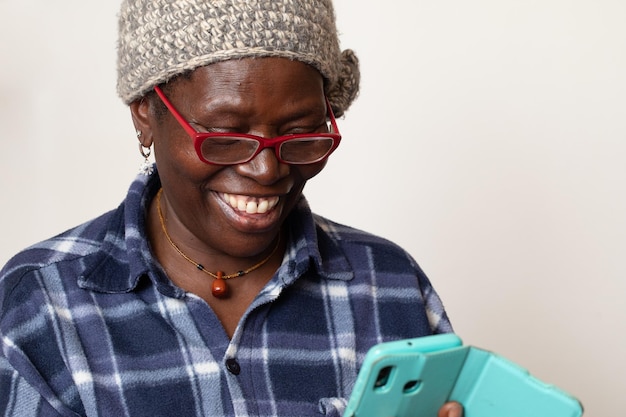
125, 257
313, 242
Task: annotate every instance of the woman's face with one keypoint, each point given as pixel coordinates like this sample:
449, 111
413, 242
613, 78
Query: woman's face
234, 210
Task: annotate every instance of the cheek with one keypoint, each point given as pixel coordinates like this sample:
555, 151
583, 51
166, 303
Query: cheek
176, 158
303, 173
309, 171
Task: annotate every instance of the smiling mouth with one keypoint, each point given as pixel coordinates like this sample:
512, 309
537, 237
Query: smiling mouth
250, 205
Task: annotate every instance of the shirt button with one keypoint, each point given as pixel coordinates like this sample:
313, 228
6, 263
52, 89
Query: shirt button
233, 366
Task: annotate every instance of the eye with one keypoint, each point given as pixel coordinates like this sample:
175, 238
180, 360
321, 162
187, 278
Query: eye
224, 141
223, 125
204, 129
305, 128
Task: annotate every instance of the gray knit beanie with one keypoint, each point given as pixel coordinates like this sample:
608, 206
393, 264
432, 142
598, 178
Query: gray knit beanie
159, 39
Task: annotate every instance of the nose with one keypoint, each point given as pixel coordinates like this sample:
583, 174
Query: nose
264, 168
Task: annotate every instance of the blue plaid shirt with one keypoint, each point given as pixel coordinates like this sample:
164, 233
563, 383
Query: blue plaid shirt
91, 325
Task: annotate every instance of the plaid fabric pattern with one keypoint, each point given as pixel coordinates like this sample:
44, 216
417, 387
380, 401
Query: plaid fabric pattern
91, 326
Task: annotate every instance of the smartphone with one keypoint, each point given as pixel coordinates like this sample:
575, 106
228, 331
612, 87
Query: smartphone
415, 377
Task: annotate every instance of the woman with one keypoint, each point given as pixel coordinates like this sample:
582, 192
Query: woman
213, 290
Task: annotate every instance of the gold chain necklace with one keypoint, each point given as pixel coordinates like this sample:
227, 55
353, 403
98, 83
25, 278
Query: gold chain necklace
219, 289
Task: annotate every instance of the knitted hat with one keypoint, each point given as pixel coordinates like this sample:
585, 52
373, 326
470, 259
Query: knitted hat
159, 39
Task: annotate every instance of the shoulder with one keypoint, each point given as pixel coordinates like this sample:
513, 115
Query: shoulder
385, 277
55, 256
359, 243
76, 242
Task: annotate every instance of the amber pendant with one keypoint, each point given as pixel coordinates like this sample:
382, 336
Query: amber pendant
219, 289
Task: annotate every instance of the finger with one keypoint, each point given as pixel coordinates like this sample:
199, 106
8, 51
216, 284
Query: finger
451, 409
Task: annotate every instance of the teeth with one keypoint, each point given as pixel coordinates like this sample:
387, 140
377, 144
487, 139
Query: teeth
250, 205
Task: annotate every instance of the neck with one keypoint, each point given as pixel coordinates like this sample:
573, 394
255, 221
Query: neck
220, 275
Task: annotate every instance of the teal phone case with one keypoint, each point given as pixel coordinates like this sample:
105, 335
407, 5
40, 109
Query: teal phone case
415, 377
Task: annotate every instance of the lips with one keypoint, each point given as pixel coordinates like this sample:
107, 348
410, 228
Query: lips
250, 205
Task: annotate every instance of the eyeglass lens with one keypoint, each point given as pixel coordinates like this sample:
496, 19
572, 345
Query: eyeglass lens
234, 150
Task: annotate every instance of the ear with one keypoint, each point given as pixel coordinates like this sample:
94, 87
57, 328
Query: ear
143, 120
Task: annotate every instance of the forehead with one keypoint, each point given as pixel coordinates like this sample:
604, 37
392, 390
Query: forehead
250, 82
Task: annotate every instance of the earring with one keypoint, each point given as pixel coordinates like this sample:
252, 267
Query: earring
146, 168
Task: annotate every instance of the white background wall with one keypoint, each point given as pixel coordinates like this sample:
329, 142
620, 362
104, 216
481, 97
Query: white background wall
489, 140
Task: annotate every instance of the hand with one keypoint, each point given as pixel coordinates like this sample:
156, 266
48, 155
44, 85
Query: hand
451, 409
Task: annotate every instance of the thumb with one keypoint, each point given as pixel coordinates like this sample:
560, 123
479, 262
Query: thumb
451, 409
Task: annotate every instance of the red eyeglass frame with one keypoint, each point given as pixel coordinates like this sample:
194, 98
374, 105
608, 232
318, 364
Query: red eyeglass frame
276, 142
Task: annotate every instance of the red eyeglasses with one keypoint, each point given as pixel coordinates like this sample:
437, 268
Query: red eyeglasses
239, 148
